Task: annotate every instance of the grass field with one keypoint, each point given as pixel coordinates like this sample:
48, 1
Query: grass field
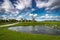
39, 24
6, 34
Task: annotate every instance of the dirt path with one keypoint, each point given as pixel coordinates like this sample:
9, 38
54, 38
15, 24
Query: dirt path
8, 25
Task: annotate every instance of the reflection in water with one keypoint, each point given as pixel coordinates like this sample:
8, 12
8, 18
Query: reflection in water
37, 29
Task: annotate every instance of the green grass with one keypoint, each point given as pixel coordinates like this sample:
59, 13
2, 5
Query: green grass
38, 24
6, 34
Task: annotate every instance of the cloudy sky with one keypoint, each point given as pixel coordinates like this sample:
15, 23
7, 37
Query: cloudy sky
40, 9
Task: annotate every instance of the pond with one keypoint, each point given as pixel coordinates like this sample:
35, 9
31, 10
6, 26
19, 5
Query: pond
36, 29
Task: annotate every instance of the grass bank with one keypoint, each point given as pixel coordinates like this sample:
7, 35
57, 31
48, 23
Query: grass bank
38, 24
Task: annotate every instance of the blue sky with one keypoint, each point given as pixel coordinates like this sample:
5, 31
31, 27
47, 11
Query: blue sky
40, 9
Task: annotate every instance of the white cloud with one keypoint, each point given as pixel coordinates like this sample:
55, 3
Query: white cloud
21, 4
7, 6
34, 15
50, 4
30, 14
4, 17
47, 16
15, 12
19, 17
33, 9
40, 4
55, 7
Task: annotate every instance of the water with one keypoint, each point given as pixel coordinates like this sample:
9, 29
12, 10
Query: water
36, 29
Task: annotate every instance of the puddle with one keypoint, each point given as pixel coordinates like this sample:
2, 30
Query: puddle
37, 29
